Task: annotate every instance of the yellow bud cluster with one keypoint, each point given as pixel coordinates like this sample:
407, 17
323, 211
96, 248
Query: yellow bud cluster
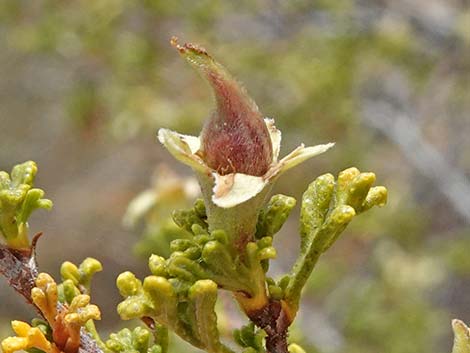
27, 337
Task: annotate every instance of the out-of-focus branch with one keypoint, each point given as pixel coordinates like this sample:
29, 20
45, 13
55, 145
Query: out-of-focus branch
402, 130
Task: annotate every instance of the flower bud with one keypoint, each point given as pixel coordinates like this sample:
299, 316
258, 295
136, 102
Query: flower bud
235, 139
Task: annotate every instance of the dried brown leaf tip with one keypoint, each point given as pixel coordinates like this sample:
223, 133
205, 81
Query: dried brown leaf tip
235, 139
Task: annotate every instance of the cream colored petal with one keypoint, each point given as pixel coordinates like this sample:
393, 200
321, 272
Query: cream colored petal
193, 142
139, 207
461, 337
233, 189
299, 155
275, 135
182, 147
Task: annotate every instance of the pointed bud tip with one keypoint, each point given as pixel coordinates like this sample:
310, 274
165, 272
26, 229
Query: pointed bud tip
188, 48
235, 139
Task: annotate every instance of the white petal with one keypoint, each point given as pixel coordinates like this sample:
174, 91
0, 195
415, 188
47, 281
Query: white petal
193, 142
139, 207
275, 135
301, 154
233, 189
182, 147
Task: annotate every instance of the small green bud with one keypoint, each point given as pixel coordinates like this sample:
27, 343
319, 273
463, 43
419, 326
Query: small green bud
200, 208
114, 343
185, 269
90, 266
80, 276
187, 218
359, 188
334, 225
69, 271
193, 253
345, 178
273, 217
180, 287
202, 239
218, 257
203, 287
265, 242
268, 253
377, 196
197, 229
136, 341
24, 173
244, 336
164, 299
158, 287
220, 236
157, 265
134, 308
140, 339
43, 326
32, 201
249, 338
128, 284
79, 301
67, 291
181, 244
275, 292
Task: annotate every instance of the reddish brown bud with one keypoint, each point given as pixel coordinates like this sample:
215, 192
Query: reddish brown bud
235, 139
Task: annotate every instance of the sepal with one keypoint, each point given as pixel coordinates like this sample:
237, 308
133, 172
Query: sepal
234, 189
299, 155
182, 148
461, 337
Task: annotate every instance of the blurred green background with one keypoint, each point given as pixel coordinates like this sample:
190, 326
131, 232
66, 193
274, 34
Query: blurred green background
84, 86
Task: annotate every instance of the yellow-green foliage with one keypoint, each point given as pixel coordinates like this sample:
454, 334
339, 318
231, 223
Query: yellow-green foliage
18, 199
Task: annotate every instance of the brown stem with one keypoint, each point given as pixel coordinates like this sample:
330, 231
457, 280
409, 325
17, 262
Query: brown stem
277, 342
274, 320
20, 269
